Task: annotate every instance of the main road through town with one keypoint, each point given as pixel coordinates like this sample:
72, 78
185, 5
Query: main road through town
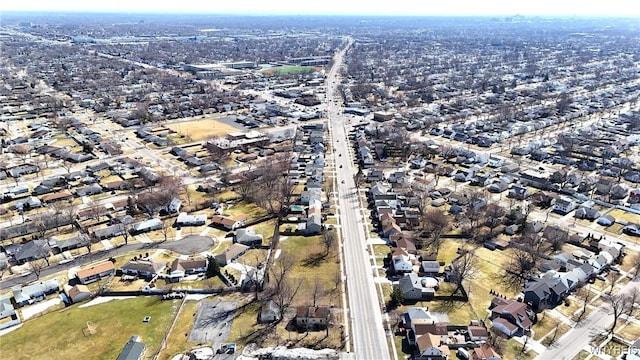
364, 313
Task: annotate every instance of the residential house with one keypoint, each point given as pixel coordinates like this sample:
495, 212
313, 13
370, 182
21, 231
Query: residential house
8, 315
33, 250
412, 289
564, 205
495, 162
248, 236
269, 312
228, 222
485, 352
585, 212
312, 318
89, 190
78, 293
174, 206
401, 261
109, 232
429, 347
185, 219
632, 229
231, 253
142, 268
606, 220
477, 333
146, 226
314, 224
634, 196
183, 267
430, 267
35, 292
404, 242
545, 293
133, 349
612, 247
57, 196
506, 314
95, 272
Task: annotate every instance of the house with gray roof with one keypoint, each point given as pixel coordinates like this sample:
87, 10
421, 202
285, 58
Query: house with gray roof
133, 349
545, 293
269, 312
248, 236
146, 226
35, 292
411, 287
8, 315
109, 231
33, 250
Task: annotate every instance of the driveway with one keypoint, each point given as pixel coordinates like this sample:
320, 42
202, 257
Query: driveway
213, 322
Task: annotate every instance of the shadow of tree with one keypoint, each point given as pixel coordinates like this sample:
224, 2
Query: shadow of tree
314, 260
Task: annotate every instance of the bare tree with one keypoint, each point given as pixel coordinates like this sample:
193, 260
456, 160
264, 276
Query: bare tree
632, 299
521, 265
37, 266
67, 165
635, 264
281, 268
494, 214
434, 224
85, 240
463, 268
328, 238
584, 293
125, 233
285, 294
556, 237
618, 304
166, 229
316, 291
554, 335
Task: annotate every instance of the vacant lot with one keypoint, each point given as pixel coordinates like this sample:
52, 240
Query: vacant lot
287, 70
203, 129
65, 335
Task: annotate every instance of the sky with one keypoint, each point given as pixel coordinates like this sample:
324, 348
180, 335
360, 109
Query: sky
341, 7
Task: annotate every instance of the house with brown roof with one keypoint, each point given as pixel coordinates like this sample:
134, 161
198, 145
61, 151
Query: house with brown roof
312, 317
229, 222
95, 272
183, 267
57, 196
231, 253
78, 293
511, 316
429, 347
485, 352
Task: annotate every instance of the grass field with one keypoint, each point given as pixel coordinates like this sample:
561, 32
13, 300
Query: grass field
290, 70
177, 340
625, 216
63, 334
203, 129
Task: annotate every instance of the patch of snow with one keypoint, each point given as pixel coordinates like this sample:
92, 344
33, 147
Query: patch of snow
104, 299
197, 297
252, 352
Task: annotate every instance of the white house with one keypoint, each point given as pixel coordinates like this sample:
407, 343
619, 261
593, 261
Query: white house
185, 219
564, 205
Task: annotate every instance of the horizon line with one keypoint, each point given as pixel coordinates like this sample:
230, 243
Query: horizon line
327, 14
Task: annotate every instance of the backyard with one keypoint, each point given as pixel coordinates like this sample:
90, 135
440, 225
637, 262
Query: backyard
94, 332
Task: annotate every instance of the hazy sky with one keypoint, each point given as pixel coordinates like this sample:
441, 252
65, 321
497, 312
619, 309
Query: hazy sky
359, 7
